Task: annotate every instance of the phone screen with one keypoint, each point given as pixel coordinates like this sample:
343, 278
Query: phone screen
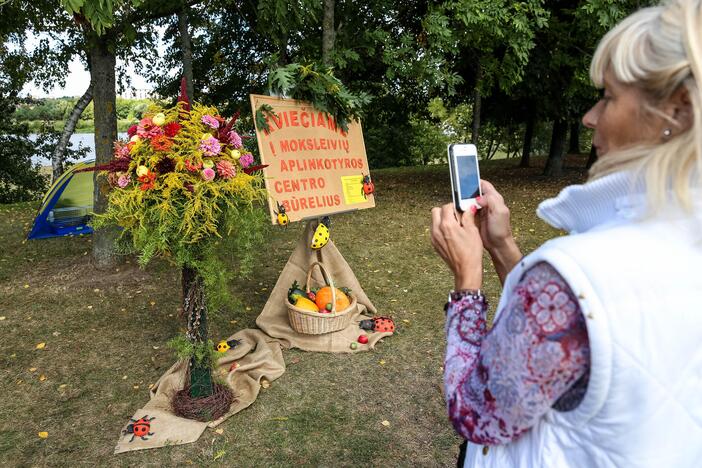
469, 182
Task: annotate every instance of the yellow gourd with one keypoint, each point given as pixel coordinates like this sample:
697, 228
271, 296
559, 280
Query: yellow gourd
306, 304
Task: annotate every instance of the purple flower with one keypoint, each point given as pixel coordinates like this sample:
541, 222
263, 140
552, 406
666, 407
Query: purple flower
235, 139
123, 180
246, 160
210, 146
208, 174
210, 121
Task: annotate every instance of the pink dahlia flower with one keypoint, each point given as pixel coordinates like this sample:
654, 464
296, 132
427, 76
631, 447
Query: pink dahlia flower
210, 146
147, 129
210, 121
226, 169
246, 160
123, 180
235, 139
208, 174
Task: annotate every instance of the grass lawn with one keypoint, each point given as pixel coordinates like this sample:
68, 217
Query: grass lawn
105, 335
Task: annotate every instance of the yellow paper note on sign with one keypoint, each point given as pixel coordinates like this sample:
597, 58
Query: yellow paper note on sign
353, 189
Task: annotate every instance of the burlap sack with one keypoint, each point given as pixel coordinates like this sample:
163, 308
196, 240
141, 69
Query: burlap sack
259, 356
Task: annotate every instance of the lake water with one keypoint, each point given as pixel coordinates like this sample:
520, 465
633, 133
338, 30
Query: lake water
86, 140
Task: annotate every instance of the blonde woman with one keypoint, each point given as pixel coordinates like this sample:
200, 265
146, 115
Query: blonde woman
595, 357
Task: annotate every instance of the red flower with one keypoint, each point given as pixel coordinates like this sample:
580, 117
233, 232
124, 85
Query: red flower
161, 143
192, 167
132, 131
147, 181
172, 129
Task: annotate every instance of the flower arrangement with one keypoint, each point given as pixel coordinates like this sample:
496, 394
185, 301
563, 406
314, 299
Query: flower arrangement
176, 178
185, 188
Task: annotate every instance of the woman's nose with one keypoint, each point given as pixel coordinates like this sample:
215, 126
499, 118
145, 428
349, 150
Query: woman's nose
590, 117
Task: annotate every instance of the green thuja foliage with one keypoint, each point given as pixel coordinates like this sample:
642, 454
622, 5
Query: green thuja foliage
203, 353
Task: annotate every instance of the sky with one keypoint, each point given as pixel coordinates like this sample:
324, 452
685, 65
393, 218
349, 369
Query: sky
78, 77
77, 82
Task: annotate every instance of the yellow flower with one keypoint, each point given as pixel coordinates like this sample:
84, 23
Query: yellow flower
207, 164
159, 119
134, 138
235, 154
205, 136
142, 171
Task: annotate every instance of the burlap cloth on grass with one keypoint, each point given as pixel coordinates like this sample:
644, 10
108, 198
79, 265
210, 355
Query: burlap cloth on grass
260, 354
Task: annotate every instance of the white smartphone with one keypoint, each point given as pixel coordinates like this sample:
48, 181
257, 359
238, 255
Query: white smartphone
465, 175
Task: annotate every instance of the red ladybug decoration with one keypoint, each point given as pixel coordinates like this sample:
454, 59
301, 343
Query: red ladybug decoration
368, 186
378, 324
139, 428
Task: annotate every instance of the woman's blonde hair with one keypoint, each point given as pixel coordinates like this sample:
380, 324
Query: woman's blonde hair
658, 49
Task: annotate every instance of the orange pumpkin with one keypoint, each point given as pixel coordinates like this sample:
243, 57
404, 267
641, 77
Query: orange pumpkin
324, 297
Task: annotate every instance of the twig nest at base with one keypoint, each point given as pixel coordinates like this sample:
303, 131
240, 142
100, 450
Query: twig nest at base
363, 339
203, 409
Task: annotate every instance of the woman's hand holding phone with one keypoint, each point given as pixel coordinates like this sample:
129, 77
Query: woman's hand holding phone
457, 240
496, 231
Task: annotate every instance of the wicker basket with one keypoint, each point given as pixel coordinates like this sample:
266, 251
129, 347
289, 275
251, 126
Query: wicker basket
314, 323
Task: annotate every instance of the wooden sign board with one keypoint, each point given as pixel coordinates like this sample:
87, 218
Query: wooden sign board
314, 167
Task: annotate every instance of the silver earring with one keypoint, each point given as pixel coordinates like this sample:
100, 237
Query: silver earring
667, 132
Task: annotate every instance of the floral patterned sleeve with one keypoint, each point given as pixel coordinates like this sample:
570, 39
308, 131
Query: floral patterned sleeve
536, 356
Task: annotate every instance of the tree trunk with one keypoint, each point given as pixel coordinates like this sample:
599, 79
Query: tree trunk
102, 78
554, 164
195, 310
528, 138
592, 158
574, 145
186, 46
328, 32
58, 155
283, 58
476, 107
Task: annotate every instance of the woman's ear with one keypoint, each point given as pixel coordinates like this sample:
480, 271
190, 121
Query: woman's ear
679, 108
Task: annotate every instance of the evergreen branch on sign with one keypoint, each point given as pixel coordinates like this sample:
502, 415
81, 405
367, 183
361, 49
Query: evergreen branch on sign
317, 85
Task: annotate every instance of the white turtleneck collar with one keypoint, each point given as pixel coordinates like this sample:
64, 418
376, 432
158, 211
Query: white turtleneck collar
579, 208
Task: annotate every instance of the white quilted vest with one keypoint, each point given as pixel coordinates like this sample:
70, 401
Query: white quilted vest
639, 284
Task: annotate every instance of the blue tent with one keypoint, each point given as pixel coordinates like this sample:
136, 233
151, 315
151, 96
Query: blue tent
67, 206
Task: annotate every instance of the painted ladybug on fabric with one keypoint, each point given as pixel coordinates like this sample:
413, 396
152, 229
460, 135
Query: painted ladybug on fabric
378, 324
368, 186
139, 428
226, 345
321, 234
283, 218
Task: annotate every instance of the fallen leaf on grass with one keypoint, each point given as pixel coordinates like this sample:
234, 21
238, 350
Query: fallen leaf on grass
2, 318
381, 362
124, 377
42, 378
62, 386
153, 303
26, 286
90, 307
219, 431
43, 434
385, 423
405, 321
32, 369
265, 383
135, 387
41, 345
219, 454
56, 333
